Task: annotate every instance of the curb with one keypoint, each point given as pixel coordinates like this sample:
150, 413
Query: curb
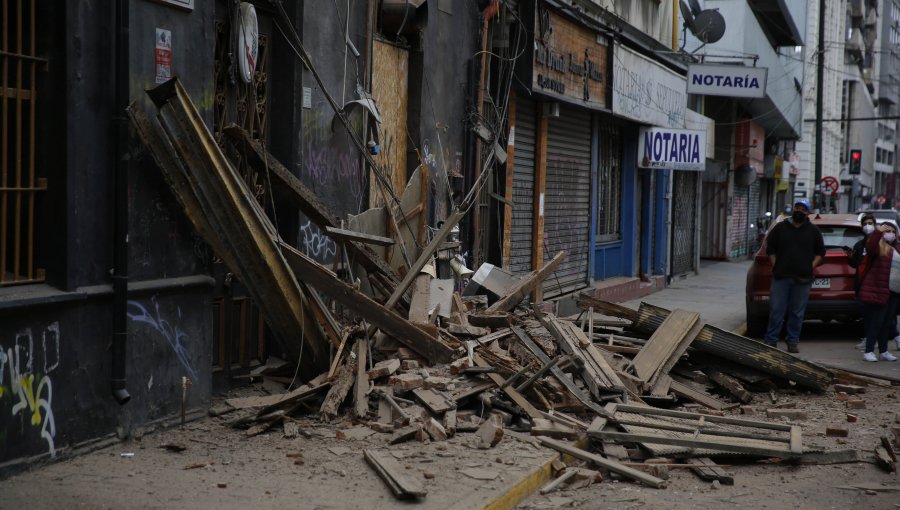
530, 483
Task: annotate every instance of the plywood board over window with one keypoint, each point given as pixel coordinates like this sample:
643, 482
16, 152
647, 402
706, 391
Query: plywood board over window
390, 68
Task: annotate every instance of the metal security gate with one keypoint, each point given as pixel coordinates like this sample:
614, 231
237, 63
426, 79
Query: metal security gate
740, 211
684, 225
753, 215
567, 203
523, 188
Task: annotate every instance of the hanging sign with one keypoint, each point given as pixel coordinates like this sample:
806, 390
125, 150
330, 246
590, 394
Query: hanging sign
728, 81
675, 149
163, 55
645, 91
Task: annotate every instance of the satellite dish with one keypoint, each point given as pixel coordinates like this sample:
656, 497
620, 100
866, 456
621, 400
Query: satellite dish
248, 41
709, 26
687, 15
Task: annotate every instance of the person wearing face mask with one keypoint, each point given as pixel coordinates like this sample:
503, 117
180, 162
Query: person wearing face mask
795, 247
857, 260
878, 292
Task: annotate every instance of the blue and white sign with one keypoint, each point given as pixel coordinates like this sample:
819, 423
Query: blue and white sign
675, 149
728, 81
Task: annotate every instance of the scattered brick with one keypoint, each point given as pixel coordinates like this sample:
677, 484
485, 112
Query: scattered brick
384, 368
856, 404
850, 389
438, 383
490, 432
852, 418
749, 410
459, 365
842, 396
836, 431
409, 364
406, 382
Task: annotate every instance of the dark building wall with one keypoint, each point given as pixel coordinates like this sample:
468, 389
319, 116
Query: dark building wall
439, 93
327, 160
55, 360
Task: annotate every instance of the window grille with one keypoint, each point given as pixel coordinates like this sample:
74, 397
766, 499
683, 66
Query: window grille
20, 183
609, 185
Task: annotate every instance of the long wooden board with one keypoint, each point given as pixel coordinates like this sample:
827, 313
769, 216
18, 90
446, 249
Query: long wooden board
516, 397
615, 467
394, 476
669, 340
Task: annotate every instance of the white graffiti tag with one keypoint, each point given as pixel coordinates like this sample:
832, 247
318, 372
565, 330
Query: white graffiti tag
34, 391
174, 335
316, 244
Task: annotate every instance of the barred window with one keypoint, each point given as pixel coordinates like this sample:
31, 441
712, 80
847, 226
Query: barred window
609, 187
20, 183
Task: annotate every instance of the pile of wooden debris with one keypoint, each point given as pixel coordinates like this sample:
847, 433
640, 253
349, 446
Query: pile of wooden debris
424, 362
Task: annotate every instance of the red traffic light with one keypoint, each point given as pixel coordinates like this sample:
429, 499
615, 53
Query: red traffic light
855, 154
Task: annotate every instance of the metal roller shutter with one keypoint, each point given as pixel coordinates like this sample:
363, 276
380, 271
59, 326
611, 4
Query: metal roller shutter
523, 188
684, 212
567, 203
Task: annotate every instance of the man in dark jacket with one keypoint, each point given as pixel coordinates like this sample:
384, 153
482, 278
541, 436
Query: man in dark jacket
795, 248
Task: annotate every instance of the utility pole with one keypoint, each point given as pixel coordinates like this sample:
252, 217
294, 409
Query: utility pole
820, 78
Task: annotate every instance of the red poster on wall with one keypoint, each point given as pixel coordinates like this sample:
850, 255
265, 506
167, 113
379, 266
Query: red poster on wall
163, 55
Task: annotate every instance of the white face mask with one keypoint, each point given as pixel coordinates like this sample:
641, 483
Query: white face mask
889, 237
868, 229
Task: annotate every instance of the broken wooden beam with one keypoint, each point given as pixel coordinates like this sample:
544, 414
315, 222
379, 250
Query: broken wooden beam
670, 340
709, 471
514, 395
338, 392
350, 235
394, 476
383, 317
360, 398
530, 282
611, 465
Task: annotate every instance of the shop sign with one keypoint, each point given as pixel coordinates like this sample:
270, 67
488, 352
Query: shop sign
646, 91
728, 81
570, 61
163, 55
675, 149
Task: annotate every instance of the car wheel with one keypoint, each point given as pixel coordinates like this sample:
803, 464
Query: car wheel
756, 323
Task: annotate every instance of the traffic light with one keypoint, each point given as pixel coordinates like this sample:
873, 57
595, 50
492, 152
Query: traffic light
855, 161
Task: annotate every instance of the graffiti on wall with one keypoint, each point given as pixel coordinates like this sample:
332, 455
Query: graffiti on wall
316, 244
331, 164
170, 330
28, 386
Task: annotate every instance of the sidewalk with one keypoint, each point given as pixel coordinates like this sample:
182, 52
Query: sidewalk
717, 293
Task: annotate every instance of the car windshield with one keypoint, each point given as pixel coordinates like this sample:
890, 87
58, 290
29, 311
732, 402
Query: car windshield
840, 236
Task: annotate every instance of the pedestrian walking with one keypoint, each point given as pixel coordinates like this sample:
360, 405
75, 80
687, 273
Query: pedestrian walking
879, 292
795, 248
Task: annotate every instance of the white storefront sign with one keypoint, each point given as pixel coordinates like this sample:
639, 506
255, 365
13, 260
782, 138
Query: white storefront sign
646, 91
675, 149
725, 80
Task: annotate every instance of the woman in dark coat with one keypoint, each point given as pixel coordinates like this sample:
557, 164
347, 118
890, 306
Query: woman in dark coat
877, 302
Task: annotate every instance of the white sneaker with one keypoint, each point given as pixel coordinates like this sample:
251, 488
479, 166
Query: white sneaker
869, 356
886, 356
862, 344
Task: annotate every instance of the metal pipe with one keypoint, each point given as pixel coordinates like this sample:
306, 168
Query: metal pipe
820, 79
120, 208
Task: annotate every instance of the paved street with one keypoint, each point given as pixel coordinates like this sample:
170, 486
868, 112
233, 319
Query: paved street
718, 294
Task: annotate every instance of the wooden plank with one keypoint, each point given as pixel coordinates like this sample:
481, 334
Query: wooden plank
508, 187
270, 400
436, 403
529, 283
559, 480
360, 399
460, 311
514, 395
349, 235
796, 446
651, 411
323, 315
595, 371
725, 445
557, 372
392, 473
339, 354
709, 471
380, 316
338, 391
462, 394
689, 392
492, 320
611, 465
540, 188
664, 343
731, 385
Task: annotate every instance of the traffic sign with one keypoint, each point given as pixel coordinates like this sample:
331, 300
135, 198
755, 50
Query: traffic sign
830, 184
880, 200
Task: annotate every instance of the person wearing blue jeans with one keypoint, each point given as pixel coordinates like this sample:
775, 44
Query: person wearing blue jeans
795, 248
787, 296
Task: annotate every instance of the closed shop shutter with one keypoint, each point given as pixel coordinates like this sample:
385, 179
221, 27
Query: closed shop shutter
740, 211
567, 203
523, 188
753, 214
684, 212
